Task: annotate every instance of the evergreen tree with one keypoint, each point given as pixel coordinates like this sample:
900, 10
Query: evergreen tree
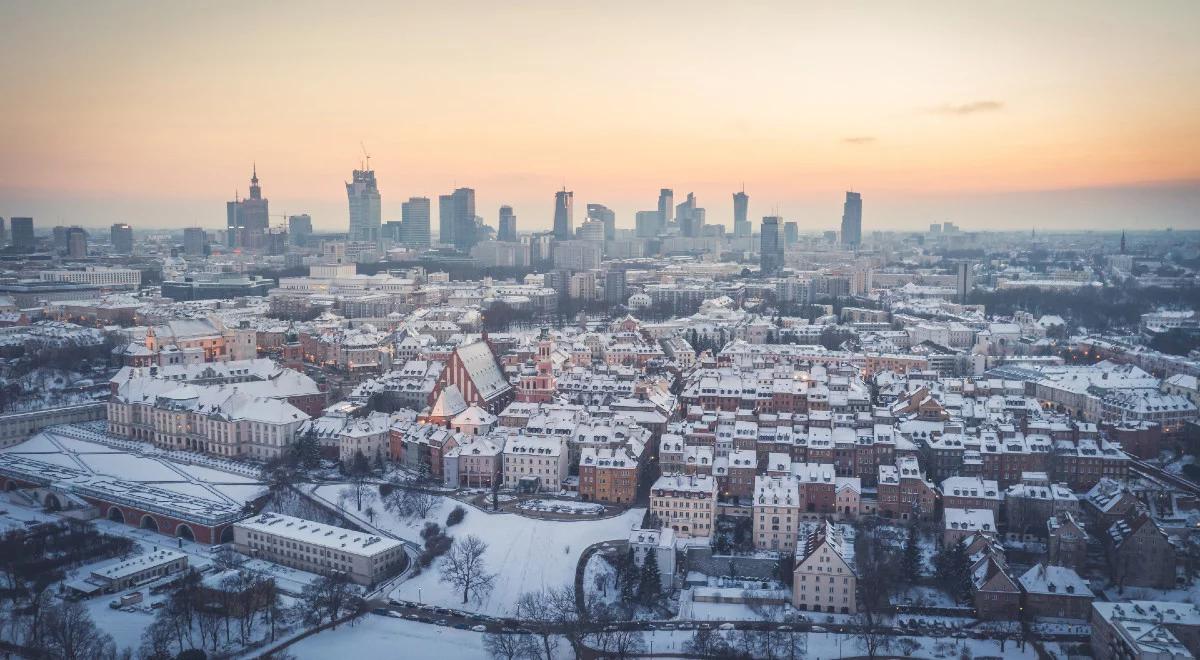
953, 568
627, 576
912, 557
650, 581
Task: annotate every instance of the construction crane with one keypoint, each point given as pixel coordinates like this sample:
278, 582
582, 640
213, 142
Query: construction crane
365, 155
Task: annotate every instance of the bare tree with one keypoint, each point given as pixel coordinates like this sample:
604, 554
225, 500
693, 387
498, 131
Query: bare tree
71, 634
464, 568
552, 612
420, 502
331, 595
407, 502
509, 647
536, 609
620, 643
871, 635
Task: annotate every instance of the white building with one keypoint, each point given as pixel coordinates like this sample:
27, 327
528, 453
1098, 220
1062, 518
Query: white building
776, 513
538, 460
323, 549
658, 544
824, 579
116, 278
686, 504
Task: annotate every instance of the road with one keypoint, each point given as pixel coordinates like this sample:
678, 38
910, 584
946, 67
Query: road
442, 616
1147, 470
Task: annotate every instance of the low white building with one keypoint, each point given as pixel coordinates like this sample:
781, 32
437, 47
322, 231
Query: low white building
317, 548
120, 574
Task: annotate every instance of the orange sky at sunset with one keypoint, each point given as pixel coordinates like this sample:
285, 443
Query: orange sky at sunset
992, 115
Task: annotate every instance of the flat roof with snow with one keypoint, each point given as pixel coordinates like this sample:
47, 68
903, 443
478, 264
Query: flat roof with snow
314, 533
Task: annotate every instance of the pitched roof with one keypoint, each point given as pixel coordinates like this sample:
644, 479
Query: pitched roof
449, 403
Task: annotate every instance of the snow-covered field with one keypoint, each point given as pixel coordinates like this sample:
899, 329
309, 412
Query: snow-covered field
526, 554
385, 637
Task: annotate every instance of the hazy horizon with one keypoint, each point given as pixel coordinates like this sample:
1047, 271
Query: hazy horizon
1008, 116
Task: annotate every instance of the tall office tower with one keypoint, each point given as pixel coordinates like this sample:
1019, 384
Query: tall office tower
508, 225
741, 223
194, 241
456, 213
770, 247
58, 237
414, 230
76, 242
4, 234
685, 216
666, 206
255, 217
791, 233
121, 237
391, 231
614, 287
962, 276
365, 213
647, 224
233, 223
22, 234
247, 219
299, 229
564, 211
592, 230
852, 220
604, 214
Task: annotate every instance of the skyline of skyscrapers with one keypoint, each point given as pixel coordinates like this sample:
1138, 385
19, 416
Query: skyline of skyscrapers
770, 245
564, 212
506, 229
741, 221
852, 220
365, 206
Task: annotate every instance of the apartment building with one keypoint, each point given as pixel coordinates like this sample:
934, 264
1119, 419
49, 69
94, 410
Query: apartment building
535, 464
824, 579
686, 504
776, 512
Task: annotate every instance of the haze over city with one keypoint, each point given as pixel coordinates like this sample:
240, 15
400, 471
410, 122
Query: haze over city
999, 116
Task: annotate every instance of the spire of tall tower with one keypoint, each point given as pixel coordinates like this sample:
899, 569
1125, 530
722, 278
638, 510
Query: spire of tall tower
1122, 241
254, 174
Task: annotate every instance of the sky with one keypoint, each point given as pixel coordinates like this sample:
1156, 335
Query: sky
992, 115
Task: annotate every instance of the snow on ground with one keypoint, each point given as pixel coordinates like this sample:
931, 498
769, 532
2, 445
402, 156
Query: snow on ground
126, 628
923, 596
525, 553
385, 637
